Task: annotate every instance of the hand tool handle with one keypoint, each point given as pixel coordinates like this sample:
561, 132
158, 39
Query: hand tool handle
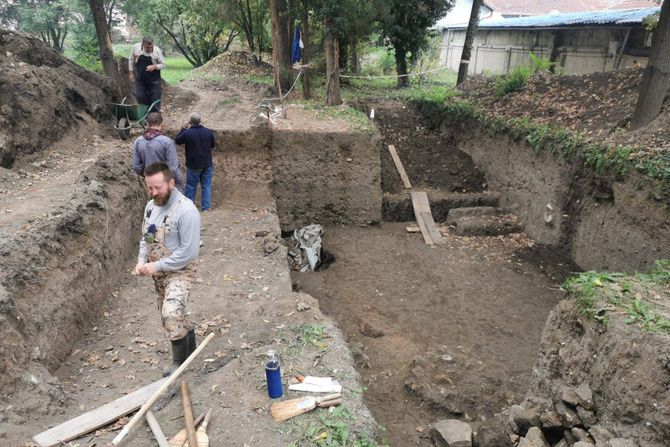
328, 397
188, 414
142, 411
330, 403
203, 427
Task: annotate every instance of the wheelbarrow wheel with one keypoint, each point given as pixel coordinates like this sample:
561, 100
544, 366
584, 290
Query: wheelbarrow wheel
123, 126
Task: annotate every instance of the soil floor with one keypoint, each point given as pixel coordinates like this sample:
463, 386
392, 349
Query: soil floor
461, 323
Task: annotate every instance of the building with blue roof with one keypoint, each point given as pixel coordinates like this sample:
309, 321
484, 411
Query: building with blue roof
579, 42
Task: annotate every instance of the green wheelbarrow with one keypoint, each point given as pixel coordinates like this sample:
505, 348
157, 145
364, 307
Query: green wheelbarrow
131, 115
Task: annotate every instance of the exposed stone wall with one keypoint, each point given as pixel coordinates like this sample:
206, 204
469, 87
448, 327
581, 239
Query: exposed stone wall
597, 382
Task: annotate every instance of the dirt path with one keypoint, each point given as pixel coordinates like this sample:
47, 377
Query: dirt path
244, 296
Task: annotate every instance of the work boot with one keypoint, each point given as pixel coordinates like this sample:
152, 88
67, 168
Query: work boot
179, 354
191, 342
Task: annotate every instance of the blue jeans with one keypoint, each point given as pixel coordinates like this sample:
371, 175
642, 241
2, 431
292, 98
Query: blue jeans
204, 177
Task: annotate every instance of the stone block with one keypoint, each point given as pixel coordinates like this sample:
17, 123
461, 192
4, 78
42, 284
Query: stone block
451, 433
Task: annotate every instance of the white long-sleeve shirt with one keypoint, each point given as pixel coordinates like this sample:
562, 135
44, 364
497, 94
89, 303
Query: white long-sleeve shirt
156, 57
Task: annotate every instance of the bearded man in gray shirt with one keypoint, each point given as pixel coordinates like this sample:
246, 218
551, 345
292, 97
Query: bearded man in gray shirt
168, 250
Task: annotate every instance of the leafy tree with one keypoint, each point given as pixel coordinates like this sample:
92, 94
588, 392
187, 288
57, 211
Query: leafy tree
49, 20
341, 19
196, 27
405, 24
250, 17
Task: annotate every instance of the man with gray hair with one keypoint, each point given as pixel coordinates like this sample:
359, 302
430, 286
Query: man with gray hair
144, 68
199, 142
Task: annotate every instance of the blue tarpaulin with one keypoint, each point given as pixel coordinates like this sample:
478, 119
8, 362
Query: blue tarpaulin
295, 53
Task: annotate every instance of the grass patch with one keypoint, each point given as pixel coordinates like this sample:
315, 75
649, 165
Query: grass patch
334, 430
512, 82
177, 68
311, 334
228, 102
597, 293
358, 120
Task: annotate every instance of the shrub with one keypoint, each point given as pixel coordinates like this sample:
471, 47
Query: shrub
512, 82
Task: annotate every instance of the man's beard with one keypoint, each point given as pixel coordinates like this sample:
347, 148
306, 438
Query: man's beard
160, 200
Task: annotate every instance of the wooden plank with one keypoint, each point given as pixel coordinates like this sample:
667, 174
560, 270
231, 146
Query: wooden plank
413, 229
435, 234
97, 418
416, 204
427, 215
156, 429
399, 167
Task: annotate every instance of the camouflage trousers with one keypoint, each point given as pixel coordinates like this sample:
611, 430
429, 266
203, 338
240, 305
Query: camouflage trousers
173, 291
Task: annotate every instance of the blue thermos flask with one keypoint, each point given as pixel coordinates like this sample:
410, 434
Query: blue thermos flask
273, 375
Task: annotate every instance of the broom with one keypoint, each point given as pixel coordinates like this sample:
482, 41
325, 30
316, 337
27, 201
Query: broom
180, 438
282, 411
201, 434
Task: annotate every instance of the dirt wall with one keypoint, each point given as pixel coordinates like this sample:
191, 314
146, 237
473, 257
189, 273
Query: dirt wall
58, 271
326, 178
623, 367
599, 224
42, 95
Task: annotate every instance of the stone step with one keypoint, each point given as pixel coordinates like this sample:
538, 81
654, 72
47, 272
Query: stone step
472, 211
398, 207
491, 225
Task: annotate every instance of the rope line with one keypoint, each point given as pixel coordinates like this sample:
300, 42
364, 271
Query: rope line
393, 76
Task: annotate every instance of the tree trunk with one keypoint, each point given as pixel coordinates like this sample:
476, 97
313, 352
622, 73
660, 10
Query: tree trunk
331, 48
281, 50
105, 44
355, 58
473, 25
557, 43
401, 66
656, 78
306, 90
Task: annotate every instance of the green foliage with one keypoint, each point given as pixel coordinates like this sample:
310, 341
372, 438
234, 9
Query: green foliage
311, 334
517, 78
82, 41
512, 82
197, 28
613, 158
651, 21
599, 292
49, 20
333, 430
405, 24
585, 287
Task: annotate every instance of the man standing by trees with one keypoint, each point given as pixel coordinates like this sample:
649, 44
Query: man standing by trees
144, 67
